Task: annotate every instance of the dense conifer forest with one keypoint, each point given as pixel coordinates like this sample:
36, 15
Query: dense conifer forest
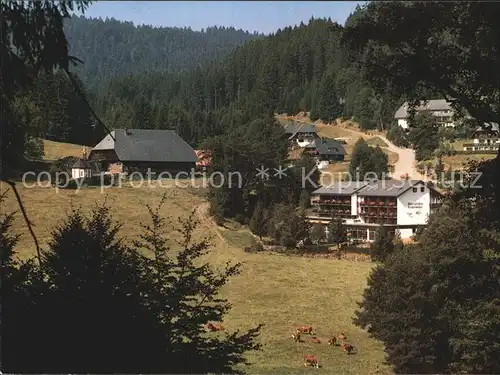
132, 84
110, 48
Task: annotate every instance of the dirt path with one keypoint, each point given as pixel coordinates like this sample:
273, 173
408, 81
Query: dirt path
202, 211
406, 162
406, 157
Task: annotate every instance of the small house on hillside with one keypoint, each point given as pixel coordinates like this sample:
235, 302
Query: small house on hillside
326, 150
300, 134
128, 150
486, 139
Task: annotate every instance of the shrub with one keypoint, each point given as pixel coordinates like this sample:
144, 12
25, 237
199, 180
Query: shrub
254, 247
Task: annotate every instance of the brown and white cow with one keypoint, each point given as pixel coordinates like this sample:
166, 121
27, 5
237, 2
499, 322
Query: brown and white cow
310, 361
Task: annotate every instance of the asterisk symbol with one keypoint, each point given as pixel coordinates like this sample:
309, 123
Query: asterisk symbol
262, 172
280, 172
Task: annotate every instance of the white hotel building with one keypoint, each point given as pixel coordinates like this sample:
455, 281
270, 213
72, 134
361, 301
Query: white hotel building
402, 206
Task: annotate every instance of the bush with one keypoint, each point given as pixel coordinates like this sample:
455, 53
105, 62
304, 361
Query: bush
255, 247
63, 164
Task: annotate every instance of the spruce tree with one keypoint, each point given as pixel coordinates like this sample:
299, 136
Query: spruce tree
304, 200
259, 221
337, 233
97, 305
383, 245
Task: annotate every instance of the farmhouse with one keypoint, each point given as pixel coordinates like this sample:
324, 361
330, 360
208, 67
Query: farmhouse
402, 206
439, 108
325, 149
129, 150
486, 139
300, 134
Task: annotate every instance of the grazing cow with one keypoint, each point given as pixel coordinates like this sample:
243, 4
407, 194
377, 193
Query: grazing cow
315, 340
305, 329
332, 341
213, 327
311, 360
348, 348
296, 336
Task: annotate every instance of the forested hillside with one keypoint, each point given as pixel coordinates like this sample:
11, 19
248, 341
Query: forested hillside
111, 48
302, 68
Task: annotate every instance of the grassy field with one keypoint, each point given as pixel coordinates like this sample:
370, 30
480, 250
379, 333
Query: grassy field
456, 162
56, 150
280, 291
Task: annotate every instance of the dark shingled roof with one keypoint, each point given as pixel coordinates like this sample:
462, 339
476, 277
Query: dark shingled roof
327, 146
431, 105
148, 145
341, 188
292, 128
82, 164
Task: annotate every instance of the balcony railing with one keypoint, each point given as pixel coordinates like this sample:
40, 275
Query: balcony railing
333, 203
332, 212
378, 203
370, 213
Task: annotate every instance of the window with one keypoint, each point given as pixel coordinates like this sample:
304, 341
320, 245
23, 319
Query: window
82, 172
422, 189
414, 190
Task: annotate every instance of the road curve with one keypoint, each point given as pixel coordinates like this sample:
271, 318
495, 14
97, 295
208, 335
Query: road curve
406, 161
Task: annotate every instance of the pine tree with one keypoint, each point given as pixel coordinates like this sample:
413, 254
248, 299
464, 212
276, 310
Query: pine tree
318, 233
138, 300
304, 200
424, 135
383, 245
364, 109
259, 220
337, 233
326, 106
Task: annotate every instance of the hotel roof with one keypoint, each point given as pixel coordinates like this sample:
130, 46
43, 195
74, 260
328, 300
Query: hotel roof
342, 188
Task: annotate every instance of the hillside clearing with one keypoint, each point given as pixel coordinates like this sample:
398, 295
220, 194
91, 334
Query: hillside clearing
56, 150
457, 162
280, 291
347, 131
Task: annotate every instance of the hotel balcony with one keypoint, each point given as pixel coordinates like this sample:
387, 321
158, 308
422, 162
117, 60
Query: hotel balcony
331, 211
378, 203
331, 201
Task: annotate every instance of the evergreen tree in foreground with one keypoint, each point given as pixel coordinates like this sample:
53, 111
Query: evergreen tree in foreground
383, 245
435, 304
100, 306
